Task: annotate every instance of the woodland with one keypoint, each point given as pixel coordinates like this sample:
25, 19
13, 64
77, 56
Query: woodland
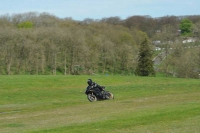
43, 44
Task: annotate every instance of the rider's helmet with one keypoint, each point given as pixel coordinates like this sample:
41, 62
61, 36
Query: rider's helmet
89, 81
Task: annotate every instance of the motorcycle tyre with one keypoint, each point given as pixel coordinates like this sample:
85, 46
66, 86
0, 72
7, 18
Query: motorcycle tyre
111, 96
91, 97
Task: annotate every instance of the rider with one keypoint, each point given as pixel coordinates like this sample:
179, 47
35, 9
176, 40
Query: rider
95, 86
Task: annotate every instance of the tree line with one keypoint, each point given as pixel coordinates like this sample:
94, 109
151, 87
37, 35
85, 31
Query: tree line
41, 43
45, 44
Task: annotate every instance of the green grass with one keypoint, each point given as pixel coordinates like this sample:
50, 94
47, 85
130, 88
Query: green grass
57, 104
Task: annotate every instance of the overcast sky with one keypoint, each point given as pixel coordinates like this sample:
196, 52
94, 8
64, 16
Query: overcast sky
98, 9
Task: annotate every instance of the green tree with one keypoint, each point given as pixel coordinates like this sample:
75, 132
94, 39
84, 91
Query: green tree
26, 24
186, 27
145, 63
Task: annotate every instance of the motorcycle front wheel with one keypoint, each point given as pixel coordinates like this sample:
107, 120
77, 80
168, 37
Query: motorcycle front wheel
110, 95
92, 97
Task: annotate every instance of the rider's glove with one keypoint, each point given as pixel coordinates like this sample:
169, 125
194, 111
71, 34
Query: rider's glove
102, 87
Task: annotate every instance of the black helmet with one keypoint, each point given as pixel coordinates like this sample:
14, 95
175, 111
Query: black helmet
89, 81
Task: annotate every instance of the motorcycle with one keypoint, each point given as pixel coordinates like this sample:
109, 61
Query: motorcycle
96, 95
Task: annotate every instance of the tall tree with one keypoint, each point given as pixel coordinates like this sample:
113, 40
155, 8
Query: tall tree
145, 64
186, 27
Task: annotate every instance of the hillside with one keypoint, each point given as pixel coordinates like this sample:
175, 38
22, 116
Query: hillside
43, 44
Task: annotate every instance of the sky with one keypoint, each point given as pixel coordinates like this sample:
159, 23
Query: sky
98, 9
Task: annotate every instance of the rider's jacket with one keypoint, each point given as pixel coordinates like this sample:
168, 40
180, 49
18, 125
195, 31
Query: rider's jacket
94, 86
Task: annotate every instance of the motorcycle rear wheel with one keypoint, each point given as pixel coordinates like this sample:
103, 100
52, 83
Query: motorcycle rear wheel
92, 97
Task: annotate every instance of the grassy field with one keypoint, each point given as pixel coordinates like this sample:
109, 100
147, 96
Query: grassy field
57, 104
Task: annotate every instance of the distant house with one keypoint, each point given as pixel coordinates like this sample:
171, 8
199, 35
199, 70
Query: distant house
190, 40
157, 48
156, 42
158, 31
